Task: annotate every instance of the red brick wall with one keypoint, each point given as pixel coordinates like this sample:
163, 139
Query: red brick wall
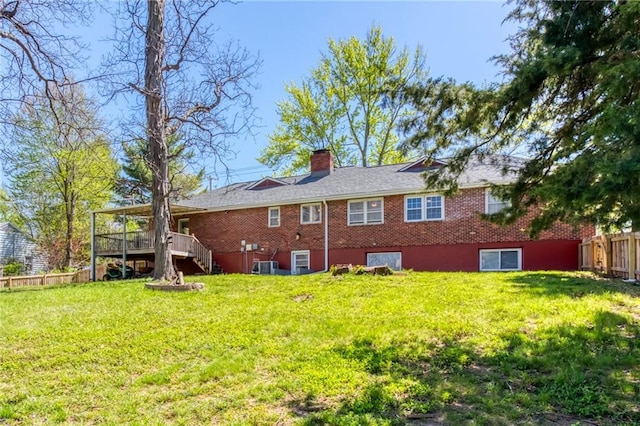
462, 224
223, 231
321, 161
536, 255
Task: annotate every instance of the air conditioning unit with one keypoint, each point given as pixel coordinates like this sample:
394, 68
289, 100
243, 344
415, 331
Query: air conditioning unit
267, 267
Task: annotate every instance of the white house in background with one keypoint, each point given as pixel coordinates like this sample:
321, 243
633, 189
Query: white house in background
15, 245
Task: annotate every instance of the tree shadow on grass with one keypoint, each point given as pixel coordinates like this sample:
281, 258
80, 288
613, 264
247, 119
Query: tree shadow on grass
564, 375
573, 285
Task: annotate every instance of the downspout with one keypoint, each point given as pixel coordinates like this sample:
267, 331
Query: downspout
326, 235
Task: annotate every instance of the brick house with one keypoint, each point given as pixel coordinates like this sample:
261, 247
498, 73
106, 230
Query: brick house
373, 215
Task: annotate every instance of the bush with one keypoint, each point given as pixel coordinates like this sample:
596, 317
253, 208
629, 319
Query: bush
13, 268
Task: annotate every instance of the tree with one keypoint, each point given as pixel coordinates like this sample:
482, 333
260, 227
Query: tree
135, 182
569, 102
59, 168
189, 88
349, 104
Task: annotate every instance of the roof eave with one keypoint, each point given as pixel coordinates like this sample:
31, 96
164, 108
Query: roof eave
357, 195
146, 210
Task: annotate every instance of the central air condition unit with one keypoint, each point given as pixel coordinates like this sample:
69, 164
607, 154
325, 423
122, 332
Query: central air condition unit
267, 267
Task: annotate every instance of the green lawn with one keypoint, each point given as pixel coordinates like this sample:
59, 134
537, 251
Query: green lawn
423, 348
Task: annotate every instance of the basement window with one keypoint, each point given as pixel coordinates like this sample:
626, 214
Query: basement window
501, 260
392, 259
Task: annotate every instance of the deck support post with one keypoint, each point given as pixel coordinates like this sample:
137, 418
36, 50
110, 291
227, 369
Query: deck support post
632, 256
93, 247
124, 245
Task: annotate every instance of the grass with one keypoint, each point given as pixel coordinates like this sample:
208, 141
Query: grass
424, 348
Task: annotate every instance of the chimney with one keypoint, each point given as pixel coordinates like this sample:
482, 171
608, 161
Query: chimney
321, 162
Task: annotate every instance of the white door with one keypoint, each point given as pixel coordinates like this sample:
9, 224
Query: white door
299, 259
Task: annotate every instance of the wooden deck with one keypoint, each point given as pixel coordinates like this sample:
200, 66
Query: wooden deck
141, 245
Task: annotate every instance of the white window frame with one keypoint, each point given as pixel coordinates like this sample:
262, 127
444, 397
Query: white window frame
500, 250
399, 253
294, 265
365, 212
311, 221
423, 208
273, 209
490, 199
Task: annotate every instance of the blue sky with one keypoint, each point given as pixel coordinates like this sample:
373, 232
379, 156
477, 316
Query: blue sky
458, 38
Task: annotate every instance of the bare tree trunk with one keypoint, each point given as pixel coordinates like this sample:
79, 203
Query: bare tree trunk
153, 80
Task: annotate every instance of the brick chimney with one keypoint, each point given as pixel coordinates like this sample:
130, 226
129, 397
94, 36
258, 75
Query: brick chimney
321, 162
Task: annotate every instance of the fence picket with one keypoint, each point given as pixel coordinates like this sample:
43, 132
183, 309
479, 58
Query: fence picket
50, 279
616, 255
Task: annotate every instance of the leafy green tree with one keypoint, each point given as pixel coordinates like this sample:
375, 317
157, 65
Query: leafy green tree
569, 104
136, 179
59, 167
349, 105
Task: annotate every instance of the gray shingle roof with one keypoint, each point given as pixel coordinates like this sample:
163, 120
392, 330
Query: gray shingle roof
341, 183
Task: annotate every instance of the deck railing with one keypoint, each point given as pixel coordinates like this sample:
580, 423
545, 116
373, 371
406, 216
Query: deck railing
187, 245
201, 253
138, 240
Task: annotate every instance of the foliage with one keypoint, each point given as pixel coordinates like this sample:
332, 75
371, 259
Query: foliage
452, 348
135, 182
348, 105
59, 167
569, 103
12, 268
7, 213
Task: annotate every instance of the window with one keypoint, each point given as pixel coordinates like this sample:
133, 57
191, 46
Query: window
300, 262
393, 260
183, 226
274, 217
494, 204
310, 213
501, 260
366, 212
433, 207
414, 209
28, 265
424, 207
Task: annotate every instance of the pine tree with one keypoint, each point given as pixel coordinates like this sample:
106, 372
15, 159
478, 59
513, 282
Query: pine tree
569, 104
134, 184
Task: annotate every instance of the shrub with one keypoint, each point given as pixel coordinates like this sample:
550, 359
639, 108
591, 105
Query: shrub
13, 268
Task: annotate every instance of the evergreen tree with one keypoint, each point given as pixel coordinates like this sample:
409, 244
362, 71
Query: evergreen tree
134, 184
569, 104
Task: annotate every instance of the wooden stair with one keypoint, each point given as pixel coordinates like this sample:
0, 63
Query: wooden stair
215, 267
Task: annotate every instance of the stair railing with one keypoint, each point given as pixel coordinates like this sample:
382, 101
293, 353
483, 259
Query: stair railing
203, 254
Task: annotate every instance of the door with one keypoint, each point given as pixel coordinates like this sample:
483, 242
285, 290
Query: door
299, 262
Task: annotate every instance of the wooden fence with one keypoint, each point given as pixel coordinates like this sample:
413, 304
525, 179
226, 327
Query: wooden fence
51, 279
616, 255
